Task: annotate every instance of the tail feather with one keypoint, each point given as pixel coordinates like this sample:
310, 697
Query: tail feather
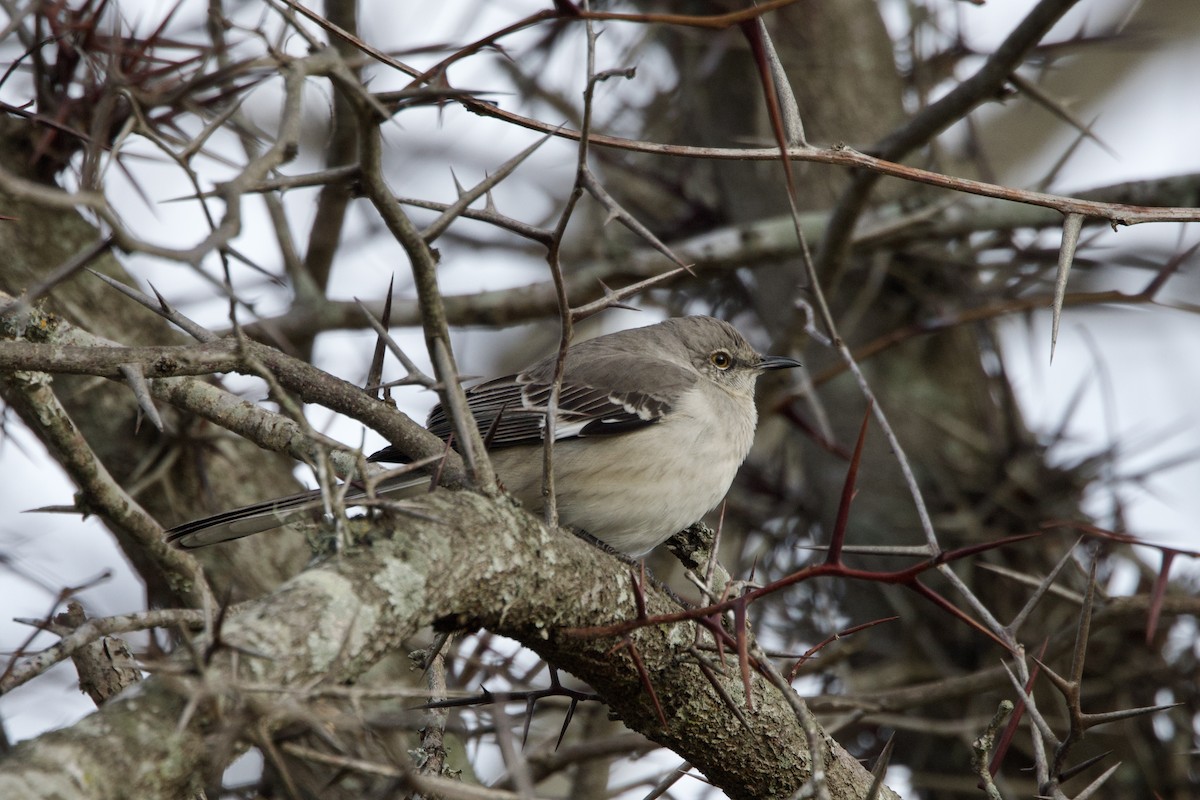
264, 516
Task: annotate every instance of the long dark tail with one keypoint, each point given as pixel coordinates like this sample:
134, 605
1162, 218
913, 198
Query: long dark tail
264, 516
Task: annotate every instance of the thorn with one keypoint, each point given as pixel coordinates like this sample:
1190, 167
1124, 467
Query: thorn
141, 391
609, 293
1071, 772
1066, 254
879, 770
166, 307
567, 721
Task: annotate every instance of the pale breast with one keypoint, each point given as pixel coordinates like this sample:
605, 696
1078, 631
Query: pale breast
634, 491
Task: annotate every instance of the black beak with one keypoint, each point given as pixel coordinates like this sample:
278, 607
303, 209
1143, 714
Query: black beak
778, 362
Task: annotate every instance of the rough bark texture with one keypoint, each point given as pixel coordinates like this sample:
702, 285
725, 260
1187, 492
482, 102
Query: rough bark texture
473, 562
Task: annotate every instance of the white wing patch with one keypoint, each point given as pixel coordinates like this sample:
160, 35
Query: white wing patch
571, 423
643, 410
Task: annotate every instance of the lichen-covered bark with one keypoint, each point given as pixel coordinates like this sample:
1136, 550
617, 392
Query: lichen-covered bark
469, 561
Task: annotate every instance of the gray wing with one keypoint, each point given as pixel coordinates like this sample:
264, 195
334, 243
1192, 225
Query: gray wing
603, 394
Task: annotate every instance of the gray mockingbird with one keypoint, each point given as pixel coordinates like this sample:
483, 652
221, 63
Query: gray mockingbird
651, 426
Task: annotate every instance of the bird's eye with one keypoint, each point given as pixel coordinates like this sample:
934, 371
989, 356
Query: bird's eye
720, 359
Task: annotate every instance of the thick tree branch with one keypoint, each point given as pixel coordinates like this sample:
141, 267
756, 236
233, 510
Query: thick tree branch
336, 619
